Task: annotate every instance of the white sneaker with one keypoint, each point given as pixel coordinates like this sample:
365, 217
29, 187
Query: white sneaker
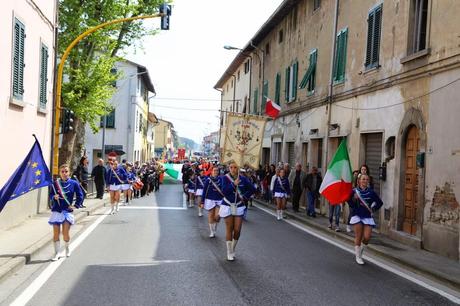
358, 258
211, 231
278, 215
118, 208
112, 210
200, 212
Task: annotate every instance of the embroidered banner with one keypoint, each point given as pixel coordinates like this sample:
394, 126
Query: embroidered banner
243, 139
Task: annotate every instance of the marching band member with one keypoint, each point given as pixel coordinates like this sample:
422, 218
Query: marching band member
62, 194
116, 177
213, 199
236, 189
363, 202
191, 189
125, 187
199, 185
281, 191
131, 179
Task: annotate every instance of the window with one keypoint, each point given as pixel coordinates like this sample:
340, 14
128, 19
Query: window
291, 82
280, 36
267, 49
247, 66
309, 78
374, 25
340, 56
264, 96
255, 99
316, 4
18, 59
238, 77
277, 88
418, 26
43, 76
114, 71
109, 120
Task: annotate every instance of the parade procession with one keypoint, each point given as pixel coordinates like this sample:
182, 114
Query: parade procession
282, 152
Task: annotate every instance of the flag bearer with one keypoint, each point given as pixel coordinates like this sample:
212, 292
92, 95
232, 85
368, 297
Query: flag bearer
62, 194
212, 199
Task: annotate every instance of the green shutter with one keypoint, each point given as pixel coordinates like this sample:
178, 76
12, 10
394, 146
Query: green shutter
264, 96
110, 123
294, 79
277, 88
43, 76
255, 99
18, 59
373, 37
341, 55
286, 83
309, 77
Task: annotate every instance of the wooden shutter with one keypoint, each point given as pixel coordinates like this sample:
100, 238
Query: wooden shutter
255, 99
18, 59
295, 67
374, 23
370, 34
43, 76
277, 88
264, 96
312, 76
286, 84
341, 55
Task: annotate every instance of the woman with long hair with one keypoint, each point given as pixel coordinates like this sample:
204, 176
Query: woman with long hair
364, 202
63, 191
236, 189
212, 199
281, 191
116, 177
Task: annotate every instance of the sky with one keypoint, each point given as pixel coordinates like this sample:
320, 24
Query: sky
186, 61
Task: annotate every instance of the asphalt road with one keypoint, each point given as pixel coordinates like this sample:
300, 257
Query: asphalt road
163, 256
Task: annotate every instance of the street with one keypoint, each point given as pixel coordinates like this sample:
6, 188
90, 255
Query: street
157, 252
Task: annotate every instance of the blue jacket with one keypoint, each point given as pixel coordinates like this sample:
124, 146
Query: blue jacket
198, 184
277, 187
65, 190
209, 191
371, 199
245, 190
111, 178
131, 176
191, 184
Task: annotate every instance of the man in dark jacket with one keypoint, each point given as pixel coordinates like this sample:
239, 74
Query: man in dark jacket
295, 181
98, 175
312, 183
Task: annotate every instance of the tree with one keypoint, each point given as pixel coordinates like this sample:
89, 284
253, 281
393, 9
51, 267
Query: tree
87, 87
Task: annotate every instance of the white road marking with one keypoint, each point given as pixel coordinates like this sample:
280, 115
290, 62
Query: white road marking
146, 264
446, 292
154, 207
33, 288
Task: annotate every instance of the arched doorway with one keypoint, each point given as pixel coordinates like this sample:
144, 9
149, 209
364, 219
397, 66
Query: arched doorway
411, 179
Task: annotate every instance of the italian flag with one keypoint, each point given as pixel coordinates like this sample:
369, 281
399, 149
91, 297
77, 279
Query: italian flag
337, 184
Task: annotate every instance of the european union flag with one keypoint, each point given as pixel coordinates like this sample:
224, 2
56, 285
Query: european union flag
33, 173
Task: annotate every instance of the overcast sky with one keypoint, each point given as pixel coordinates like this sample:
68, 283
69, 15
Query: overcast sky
187, 61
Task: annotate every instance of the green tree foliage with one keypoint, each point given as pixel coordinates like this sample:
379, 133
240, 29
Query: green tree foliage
87, 86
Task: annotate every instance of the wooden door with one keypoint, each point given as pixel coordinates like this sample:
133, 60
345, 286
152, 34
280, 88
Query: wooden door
411, 182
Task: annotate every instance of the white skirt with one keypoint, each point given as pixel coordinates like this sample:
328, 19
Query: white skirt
114, 187
199, 192
210, 204
280, 195
225, 211
192, 191
125, 186
61, 217
366, 221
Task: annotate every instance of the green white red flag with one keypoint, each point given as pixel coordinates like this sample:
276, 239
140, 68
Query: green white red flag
337, 183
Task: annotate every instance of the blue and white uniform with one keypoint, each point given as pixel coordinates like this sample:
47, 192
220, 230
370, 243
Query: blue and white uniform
236, 195
191, 186
116, 178
281, 188
212, 196
66, 190
363, 203
131, 179
199, 185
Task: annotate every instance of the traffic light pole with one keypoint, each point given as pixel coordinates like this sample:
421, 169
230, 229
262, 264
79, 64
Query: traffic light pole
58, 108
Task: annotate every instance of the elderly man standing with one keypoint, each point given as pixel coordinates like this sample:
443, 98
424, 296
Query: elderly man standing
312, 183
295, 181
98, 174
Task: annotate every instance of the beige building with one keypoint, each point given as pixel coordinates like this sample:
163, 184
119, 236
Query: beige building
382, 74
164, 142
26, 104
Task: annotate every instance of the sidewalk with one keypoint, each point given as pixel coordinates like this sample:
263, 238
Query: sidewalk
19, 243
427, 264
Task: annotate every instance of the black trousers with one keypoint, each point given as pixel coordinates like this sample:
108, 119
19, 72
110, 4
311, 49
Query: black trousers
296, 194
99, 189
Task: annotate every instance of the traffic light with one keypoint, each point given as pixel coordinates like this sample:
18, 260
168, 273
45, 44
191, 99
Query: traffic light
165, 9
68, 117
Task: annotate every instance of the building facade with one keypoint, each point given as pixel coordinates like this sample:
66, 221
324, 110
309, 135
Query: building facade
127, 130
26, 81
383, 75
164, 140
211, 144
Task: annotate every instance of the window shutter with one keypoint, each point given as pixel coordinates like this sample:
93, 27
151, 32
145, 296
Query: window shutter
43, 76
312, 77
294, 81
277, 88
286, 84
264, 96
255, 99
18, 59
341, 56
370, 37
376, 41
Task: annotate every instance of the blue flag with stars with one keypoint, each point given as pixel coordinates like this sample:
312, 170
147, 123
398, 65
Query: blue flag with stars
31, 174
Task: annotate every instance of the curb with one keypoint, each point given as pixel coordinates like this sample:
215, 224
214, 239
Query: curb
455, 285
20, 260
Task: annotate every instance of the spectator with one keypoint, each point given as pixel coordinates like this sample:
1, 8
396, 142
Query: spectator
98, 175
287, 169
312, 183
82, 174
295, 182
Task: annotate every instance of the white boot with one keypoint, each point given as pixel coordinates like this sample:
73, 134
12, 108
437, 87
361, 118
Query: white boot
200, 211
282, 214
358, 258
118, 208
211, 230
234, 242
229, 251
57, 246
112, 209
278, 214
361, 251
214, 227
67, 249
348, 229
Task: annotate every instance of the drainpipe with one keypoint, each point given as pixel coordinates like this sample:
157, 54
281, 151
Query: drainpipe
331, 81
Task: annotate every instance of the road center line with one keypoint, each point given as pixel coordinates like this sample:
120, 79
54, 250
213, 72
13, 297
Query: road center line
419, 280
33, 288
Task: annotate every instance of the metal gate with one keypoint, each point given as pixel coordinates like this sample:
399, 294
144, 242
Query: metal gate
291, 153
373, 157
